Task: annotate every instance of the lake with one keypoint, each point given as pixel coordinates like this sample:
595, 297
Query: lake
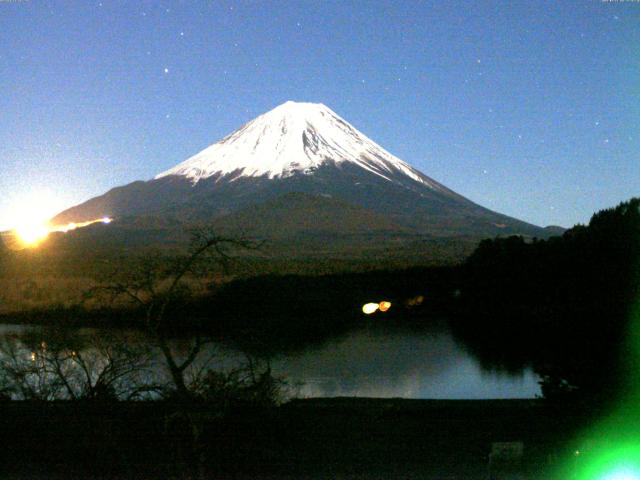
369, 362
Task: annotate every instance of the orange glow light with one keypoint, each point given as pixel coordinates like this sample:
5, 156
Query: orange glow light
31, 234
384, 306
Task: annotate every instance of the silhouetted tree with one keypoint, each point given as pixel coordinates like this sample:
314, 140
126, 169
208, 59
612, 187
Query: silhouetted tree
157, 285
64, 366
563, 304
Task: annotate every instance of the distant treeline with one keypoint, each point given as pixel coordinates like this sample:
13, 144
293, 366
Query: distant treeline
298, 309
284, 311
563, 305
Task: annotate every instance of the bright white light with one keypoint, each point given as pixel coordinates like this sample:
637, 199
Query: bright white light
28, 218
31, 234
369, 308
623, 473
74, 226
34, 207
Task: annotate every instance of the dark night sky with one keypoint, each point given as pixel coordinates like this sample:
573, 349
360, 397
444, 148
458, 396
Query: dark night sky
528, 108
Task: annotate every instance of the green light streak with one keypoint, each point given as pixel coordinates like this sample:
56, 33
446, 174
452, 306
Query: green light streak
612, 448
615, 463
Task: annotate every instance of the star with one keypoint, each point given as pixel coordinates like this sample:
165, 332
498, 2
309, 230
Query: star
182, 34
166, 70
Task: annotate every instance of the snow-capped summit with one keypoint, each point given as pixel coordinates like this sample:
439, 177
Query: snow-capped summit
303, 171
293, 138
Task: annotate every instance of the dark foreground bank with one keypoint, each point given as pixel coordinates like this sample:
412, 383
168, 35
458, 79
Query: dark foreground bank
313, 438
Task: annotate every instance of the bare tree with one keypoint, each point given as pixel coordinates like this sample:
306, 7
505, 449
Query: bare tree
251, 382
155, 284
65, 367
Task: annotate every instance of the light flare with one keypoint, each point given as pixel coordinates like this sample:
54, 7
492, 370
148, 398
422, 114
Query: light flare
31, 233
73, 225
369, 308
384, 306
622, 474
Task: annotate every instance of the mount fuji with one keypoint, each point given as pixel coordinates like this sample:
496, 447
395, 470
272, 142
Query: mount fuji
300, 171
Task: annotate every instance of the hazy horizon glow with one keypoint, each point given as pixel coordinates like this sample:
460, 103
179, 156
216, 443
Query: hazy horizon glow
529, 109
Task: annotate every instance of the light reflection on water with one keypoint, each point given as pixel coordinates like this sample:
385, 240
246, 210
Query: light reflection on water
372, 363
400, 364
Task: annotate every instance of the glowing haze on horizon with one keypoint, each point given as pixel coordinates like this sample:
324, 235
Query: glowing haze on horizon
528, 108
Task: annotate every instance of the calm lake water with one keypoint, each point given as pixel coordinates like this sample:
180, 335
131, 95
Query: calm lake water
374, 363
400, 364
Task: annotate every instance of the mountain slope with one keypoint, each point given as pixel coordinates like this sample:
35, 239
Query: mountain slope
301, 148
299, 215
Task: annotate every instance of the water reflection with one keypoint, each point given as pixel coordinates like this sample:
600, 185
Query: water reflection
400, 364
366, 363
